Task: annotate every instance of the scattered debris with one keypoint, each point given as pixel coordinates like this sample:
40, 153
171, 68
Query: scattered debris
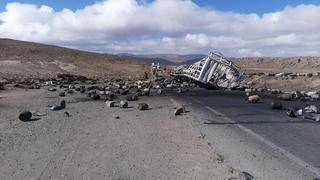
247, 176
275, 105
143, 106
286, 97
62, 94
59, 107
311, 109
110, 103
294, 112
131, 97
95, 97
146, 92
67, 114
253, 99
52, 89
179, 110
216, 70
124, 104
160, 91
25, 116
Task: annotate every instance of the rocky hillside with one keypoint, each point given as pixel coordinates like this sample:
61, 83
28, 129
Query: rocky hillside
277, 64
25, 59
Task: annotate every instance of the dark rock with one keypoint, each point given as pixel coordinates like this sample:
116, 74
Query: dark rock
143, 106
70, 91
179, 111
124, 92
95, 97
62, 94
25, 116
291, 112
131, 97
110, 97
82, 90
275, 105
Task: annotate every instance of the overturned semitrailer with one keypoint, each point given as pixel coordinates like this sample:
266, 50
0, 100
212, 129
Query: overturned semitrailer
214, 70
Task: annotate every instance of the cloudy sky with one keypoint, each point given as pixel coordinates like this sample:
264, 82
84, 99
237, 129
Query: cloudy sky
237, 28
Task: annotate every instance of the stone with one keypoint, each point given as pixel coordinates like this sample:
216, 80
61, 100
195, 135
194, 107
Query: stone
131, 97
275, 105
25, 116
286, 97
110, 97
143, 106
291, 112
253, 99
124, 92
160, 91
70, 91
52, 89
124, 104
95, 97
110, 103
62, 94
179, 110
146, 92
312, 109
59, 107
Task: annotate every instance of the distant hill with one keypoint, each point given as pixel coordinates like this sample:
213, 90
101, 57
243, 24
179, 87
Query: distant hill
166, 59
279, 64
27, 59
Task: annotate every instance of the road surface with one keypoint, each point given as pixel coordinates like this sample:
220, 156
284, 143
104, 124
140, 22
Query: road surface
255, 138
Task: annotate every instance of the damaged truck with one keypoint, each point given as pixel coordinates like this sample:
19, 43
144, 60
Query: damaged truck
214, 70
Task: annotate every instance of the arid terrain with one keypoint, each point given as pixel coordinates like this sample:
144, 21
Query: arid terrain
97, 116
279, 64
20, 59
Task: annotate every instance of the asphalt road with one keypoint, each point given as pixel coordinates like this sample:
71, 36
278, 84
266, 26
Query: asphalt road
297, 140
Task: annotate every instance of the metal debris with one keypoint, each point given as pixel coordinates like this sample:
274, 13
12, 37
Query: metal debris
215, 70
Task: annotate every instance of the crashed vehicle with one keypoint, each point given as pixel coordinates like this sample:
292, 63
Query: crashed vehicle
214, 70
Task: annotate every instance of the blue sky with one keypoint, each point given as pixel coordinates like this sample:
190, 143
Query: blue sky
234, 27
241, 6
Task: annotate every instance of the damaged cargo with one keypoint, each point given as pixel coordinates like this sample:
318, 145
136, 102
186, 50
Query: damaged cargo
214, 70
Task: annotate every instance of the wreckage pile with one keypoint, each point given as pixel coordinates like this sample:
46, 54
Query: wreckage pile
310, 111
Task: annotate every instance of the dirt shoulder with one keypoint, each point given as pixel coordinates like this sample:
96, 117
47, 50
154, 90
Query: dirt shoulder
98, 142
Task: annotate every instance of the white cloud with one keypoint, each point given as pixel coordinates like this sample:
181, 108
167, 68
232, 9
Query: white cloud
166, 26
